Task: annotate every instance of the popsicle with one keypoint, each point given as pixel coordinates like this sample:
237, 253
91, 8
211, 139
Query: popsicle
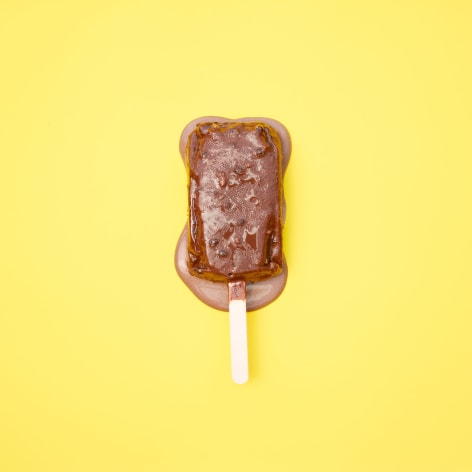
230, 252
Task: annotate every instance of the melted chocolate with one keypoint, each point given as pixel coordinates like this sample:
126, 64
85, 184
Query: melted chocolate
235, 202
215, 293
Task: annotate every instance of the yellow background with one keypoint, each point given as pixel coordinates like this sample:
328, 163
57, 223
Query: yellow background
109, 363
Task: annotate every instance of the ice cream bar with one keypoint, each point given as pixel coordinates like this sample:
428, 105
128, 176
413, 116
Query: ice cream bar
230, 251
235, 202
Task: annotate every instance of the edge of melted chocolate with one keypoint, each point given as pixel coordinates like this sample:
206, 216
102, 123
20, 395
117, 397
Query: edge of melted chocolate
213, 291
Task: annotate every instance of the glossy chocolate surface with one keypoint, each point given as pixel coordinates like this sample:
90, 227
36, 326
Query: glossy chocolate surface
235, 202
215, 294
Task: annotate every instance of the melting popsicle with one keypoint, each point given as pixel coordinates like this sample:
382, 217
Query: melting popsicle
231, 249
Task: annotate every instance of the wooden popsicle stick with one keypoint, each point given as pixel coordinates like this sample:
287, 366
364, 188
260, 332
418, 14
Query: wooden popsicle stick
238, 331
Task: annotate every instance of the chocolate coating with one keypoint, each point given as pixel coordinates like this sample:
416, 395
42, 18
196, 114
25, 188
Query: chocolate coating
262, 292
235, 202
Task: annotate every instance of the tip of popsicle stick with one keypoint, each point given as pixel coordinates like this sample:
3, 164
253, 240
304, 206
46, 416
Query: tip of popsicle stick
240, 378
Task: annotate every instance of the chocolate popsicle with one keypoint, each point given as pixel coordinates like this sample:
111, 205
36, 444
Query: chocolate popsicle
236, 211
246, 240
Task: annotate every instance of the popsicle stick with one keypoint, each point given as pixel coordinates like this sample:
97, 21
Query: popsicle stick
238, 331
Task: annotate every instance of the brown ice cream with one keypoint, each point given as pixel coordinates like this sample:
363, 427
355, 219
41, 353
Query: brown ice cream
236, 209
235, 202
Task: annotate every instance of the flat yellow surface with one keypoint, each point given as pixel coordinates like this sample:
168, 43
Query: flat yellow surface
109, 363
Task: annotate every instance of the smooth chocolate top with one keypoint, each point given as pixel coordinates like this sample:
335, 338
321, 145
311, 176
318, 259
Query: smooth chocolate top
235, 201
